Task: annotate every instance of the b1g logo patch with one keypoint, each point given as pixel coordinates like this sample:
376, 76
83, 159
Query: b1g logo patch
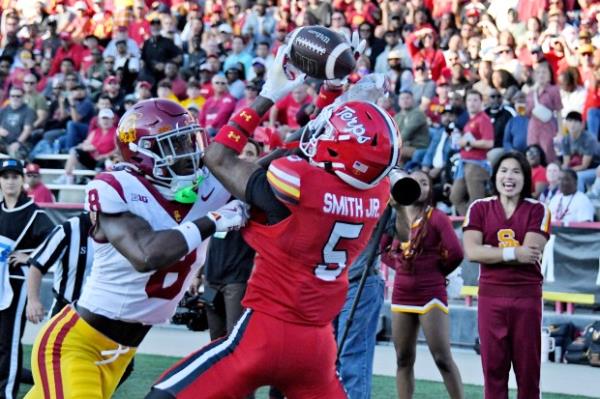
506, 239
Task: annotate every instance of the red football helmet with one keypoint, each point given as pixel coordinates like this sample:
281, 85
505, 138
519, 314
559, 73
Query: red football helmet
356, 140
162, 140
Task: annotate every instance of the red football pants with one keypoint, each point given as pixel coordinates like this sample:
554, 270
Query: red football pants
261, 350
510, 333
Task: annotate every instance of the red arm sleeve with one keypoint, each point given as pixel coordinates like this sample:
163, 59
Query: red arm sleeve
474, 217
439, 63
54, 68
451, 249
540, 219
410, 45
386, 256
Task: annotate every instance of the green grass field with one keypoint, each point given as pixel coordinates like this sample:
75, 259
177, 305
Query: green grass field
148, 367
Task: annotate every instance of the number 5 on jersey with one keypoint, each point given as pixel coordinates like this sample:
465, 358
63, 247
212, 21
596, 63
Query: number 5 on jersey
334, 260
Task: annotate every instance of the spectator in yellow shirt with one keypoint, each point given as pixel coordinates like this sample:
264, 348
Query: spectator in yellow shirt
193, 95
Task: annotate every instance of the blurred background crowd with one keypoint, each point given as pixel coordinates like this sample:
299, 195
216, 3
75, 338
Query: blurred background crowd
468, 80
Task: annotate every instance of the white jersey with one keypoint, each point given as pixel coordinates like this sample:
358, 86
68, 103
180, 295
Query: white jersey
114, 288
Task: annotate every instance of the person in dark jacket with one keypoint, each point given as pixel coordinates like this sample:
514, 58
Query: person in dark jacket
500, 114
23, 226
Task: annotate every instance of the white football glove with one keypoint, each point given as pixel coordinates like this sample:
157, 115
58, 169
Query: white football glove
282, 77
231, 216
358, 48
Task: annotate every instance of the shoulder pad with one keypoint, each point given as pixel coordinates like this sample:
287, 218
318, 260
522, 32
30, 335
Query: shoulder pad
105, 194
285, 176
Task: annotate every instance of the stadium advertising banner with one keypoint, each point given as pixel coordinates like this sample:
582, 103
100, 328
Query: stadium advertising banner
571, 266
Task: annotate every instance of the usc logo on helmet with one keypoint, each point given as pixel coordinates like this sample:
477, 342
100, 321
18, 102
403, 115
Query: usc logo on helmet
127, 128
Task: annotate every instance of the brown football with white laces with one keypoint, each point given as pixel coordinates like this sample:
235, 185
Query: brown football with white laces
321, 53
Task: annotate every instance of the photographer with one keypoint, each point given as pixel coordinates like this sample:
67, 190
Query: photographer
227, 268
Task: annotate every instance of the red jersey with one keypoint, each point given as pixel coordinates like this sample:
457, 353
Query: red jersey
503, 279
423, 277
300, 274
75, 52
480, 126
288, 108
40, 194
216, 111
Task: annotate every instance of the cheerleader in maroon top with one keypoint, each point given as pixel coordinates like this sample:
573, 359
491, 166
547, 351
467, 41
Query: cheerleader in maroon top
506, 234
422, 255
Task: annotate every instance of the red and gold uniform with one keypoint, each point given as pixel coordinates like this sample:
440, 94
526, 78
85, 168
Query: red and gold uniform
420, 279
510, 297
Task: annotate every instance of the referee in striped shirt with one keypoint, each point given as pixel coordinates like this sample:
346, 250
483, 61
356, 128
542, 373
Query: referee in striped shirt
69, 247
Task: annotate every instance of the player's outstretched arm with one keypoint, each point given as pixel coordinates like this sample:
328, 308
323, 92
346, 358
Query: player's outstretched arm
223, 160
221, 156
149, 250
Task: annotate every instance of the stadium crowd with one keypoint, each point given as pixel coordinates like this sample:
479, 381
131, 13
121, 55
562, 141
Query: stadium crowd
468, 81
534, 64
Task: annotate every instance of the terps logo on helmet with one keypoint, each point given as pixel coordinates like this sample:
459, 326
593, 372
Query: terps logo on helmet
353, 126
127, 128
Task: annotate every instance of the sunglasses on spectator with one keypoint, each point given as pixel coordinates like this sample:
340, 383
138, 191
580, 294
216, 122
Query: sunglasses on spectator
109, 62
32, 174
495, 96
29, 82
220, 83
16, 96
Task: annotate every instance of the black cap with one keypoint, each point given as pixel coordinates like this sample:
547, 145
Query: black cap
574, 116
11, 164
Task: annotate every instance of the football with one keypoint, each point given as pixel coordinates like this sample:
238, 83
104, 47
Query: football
321, 53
